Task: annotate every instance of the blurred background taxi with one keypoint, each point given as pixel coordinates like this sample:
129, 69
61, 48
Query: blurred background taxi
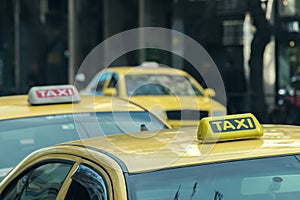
171, 93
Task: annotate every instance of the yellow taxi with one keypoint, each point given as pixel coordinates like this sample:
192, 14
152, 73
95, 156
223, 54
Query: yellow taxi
171, 93
53, 114
231, 157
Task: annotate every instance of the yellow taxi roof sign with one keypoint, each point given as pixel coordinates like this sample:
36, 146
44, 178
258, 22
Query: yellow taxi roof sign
229, 127
40, 95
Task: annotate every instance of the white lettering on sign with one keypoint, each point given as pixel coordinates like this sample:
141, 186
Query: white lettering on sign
64, 92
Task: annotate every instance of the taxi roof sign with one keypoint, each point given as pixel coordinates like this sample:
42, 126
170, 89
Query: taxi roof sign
39, 95
229, 127
150, 64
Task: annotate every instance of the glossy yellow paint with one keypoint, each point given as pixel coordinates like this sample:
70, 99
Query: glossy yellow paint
179, 147
148, 151
164, 103
18, 107
178, 123
173, 148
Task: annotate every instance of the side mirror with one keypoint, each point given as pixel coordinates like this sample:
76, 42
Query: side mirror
109, 91
208, 92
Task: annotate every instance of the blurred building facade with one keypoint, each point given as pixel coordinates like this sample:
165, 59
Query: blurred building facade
35, 39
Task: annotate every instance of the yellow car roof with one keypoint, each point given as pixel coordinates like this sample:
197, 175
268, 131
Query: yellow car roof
144, 70
149, 151
17, 106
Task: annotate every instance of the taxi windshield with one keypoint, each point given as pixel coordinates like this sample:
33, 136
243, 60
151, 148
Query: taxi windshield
160, 84
19, 137
255, 179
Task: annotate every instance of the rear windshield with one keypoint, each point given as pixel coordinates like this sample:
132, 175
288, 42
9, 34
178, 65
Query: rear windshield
19, 137
255, 179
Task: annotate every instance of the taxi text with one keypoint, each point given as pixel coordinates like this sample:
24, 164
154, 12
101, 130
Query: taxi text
63, 92
229, 125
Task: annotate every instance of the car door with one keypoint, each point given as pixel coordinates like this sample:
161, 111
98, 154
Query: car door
40, 181
60, 179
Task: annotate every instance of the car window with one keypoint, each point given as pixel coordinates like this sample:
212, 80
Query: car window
98, 82
159, 84
87, 184
113, 81
43, 182
19, 137
196, 90
255, 179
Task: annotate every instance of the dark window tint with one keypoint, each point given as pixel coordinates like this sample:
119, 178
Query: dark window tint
99, 82
113, 81
87, 184
255, 179
43, 182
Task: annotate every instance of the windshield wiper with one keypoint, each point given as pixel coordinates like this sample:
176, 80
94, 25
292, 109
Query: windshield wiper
177, 193
194, 190
218, 195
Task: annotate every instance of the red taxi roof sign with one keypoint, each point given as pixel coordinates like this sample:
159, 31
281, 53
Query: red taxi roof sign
229, 127
53, 94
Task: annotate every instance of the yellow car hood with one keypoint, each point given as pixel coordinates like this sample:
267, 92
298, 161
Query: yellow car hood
178, 103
